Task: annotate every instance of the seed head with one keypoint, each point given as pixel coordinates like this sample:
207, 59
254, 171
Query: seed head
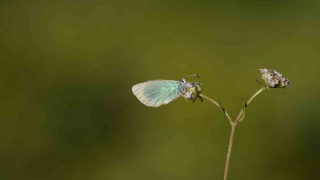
274, 79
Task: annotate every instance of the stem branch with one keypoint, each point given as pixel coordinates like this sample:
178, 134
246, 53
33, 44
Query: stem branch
248, 102
233, 126
232, 133
217, 104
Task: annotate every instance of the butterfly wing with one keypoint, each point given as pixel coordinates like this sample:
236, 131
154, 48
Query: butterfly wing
158, 92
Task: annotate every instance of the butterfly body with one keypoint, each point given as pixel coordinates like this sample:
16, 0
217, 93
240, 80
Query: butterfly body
160, 92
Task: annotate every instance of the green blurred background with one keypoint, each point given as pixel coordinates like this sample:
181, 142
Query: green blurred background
67, 68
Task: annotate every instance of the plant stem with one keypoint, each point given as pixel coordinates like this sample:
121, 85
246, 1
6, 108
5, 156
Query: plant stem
217, 104
248, 102
233, 126
229, 151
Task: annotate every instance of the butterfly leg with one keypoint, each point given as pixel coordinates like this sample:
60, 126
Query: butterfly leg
195, 98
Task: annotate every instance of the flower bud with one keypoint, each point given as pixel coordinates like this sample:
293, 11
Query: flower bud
192, 91
274, 79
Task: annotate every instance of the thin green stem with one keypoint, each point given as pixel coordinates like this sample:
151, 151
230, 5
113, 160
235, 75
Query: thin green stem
217, 104
233, 126
248, 102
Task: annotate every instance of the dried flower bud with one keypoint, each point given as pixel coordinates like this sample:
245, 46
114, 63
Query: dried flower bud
274, 79
192, 91
188, 95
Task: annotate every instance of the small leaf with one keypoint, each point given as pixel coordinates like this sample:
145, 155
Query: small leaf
222, 108
259, 82
262, 84
244, 107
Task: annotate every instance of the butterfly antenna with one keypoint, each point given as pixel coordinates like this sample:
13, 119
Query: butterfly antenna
192, 75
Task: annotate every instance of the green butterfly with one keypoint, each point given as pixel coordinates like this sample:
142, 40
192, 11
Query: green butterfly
160, 92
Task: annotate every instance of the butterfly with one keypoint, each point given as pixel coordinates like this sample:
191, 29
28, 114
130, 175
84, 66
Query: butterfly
155, 93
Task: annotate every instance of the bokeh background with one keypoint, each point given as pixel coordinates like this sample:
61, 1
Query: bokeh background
67, 68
